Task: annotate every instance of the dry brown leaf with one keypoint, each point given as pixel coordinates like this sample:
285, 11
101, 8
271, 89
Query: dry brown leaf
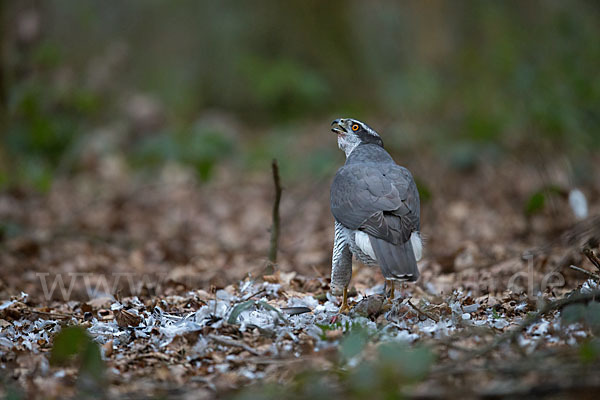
127, 319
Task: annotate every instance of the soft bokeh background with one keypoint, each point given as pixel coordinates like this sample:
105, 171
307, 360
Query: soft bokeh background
232, 84
136, 139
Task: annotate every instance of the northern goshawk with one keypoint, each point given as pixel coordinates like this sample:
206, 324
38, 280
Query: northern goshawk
375, 204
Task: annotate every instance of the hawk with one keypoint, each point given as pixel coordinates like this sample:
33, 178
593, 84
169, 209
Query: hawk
375, 204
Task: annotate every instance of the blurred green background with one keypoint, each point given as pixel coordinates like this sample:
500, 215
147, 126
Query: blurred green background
202, 83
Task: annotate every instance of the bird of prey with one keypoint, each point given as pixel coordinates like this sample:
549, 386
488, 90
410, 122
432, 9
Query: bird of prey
375, 204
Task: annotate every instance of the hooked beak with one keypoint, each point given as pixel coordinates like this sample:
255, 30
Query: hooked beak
337, 127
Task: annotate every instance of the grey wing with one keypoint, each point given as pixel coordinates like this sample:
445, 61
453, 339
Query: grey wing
379, 199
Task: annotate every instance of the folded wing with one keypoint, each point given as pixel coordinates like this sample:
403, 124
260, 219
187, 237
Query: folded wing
381, 200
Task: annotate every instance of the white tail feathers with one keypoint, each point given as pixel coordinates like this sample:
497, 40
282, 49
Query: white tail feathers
364, 244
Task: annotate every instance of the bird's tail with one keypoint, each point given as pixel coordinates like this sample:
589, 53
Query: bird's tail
397, 261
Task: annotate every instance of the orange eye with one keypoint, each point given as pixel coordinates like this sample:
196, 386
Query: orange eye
355, 127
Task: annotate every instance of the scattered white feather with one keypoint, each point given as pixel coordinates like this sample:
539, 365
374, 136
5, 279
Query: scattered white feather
589, 286
578, 203
500, 323
7, 304
471, 308
159, 328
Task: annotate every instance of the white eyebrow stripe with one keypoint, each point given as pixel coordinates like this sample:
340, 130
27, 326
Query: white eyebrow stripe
365, 127
370, 131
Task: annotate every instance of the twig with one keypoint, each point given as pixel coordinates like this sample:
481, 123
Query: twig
531, 318
3, 74
248, 297
596, 277
154, 354
422, 312
534, 317
280, 361
233, 343
50, 314
275, 226
589, 253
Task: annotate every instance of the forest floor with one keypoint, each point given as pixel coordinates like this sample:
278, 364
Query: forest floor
169, 280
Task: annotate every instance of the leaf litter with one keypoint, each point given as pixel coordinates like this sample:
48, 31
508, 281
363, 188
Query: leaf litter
177, 303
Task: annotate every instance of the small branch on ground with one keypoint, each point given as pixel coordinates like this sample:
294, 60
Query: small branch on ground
422, 312
251, 295
591, 274
154, 354
275, 226
50, 314
589, 253
512, 334
224, 340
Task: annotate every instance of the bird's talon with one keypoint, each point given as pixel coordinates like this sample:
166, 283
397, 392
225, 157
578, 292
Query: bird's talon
344, 309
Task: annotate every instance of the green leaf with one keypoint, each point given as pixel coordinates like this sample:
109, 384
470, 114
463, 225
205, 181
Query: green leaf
589, 351
410, 363
354, 342
238, 309
535, 204
91, 361
75, 344
364, 377
69, 342
592, 316
537, 201
573, 313
495, 314
328, 327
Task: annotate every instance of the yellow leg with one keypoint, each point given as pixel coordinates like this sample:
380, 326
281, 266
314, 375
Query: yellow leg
392, 291
344, 309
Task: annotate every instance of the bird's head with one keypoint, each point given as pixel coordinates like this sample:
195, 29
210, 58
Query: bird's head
351, 132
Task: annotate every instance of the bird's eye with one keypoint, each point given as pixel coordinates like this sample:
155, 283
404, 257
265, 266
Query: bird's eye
355, 127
